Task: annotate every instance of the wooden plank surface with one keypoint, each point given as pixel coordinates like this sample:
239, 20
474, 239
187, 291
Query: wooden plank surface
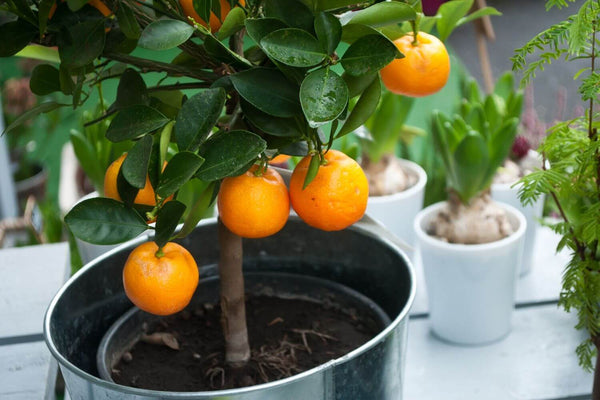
541, 285
29, 278
535, 361
27, 372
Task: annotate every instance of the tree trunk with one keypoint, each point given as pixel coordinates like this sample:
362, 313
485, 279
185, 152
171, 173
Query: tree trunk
233, 307
596, 389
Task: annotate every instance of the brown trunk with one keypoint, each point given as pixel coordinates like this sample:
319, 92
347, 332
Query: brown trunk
596, 389
233, 307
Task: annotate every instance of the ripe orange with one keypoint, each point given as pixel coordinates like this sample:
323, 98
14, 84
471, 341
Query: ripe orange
215, 22
424, 69
279, 159
145, 196
337, 196
254, 206
160, 285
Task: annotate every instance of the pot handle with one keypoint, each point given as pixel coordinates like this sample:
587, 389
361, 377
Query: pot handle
366, 222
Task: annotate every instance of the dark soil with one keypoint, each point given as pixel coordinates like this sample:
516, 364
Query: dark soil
286, 337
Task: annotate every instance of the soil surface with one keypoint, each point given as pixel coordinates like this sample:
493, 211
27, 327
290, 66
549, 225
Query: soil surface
287, 336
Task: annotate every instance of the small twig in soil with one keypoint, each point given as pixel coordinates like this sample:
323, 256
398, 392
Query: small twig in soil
212, 374
275, 321
161, 339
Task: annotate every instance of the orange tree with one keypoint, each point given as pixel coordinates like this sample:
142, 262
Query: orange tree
276, 77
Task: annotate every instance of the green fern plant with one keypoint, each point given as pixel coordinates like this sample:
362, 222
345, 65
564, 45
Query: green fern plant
573, 178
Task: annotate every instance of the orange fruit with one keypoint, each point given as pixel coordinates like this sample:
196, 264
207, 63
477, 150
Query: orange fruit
337, 196
97, 4
160, 285
279, 159
145, 195
424, 69
254, 206
215, 22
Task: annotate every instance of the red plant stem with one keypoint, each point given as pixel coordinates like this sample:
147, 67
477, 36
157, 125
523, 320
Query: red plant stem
233, 307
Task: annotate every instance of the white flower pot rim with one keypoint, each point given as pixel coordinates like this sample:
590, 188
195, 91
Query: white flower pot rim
516, 183
418, 186
468, 248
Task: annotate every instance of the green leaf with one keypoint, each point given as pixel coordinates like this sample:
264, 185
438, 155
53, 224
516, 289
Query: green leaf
87, 158
44, 80
329, 31
197, 117
471, 161
198, 210
20, 34
366, 105
82, 43
167, 220
133, 122
203, 8
131, 90
482, 12
293, 47
164, 141
104, 221
285, 127
67, 86
260, 27
382, 14
127, 22
268, 90
218, 50
225, 154
313, 170
180, 169
233, 23
323, 96
135, 166
368, 55
505, 85
41, 108
451, 12
358, 84
165, 34
75, 5
352, 32
500, 144
292, 12
44, 8
38, 52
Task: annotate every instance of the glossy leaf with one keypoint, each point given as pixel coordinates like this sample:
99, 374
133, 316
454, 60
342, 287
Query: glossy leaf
44, 80
276, 126
352, 32
167, 220
104, 221
451, 12
357, 84
197, 117
218, 50
131, 90
268, 90
44, 8
41, 53
127, 22
82, 43
323, 96
135, 166
329, 31
293, 47
225, 154
313, 170
198, 210
292, 12
203, 8
181, 168
133, 122
259, 28
20, 34
366, 105
165, 34
368, 55
382, 14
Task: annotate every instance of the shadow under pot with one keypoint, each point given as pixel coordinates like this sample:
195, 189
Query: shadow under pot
358, 267
470, 287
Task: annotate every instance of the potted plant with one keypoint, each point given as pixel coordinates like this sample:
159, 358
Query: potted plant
229, 105
570, 178
470, 245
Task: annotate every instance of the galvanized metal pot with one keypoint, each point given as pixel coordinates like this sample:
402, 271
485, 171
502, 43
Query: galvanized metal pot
365, 260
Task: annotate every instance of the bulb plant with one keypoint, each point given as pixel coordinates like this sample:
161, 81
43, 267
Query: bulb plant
572, 177
200, 104
473, 143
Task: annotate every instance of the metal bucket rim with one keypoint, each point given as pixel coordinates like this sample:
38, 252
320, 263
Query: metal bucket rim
374, 232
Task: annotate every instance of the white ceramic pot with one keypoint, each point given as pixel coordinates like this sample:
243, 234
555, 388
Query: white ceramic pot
505, 193
397, 211
470, 287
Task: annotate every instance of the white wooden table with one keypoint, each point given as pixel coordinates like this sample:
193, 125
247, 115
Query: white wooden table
536, 361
